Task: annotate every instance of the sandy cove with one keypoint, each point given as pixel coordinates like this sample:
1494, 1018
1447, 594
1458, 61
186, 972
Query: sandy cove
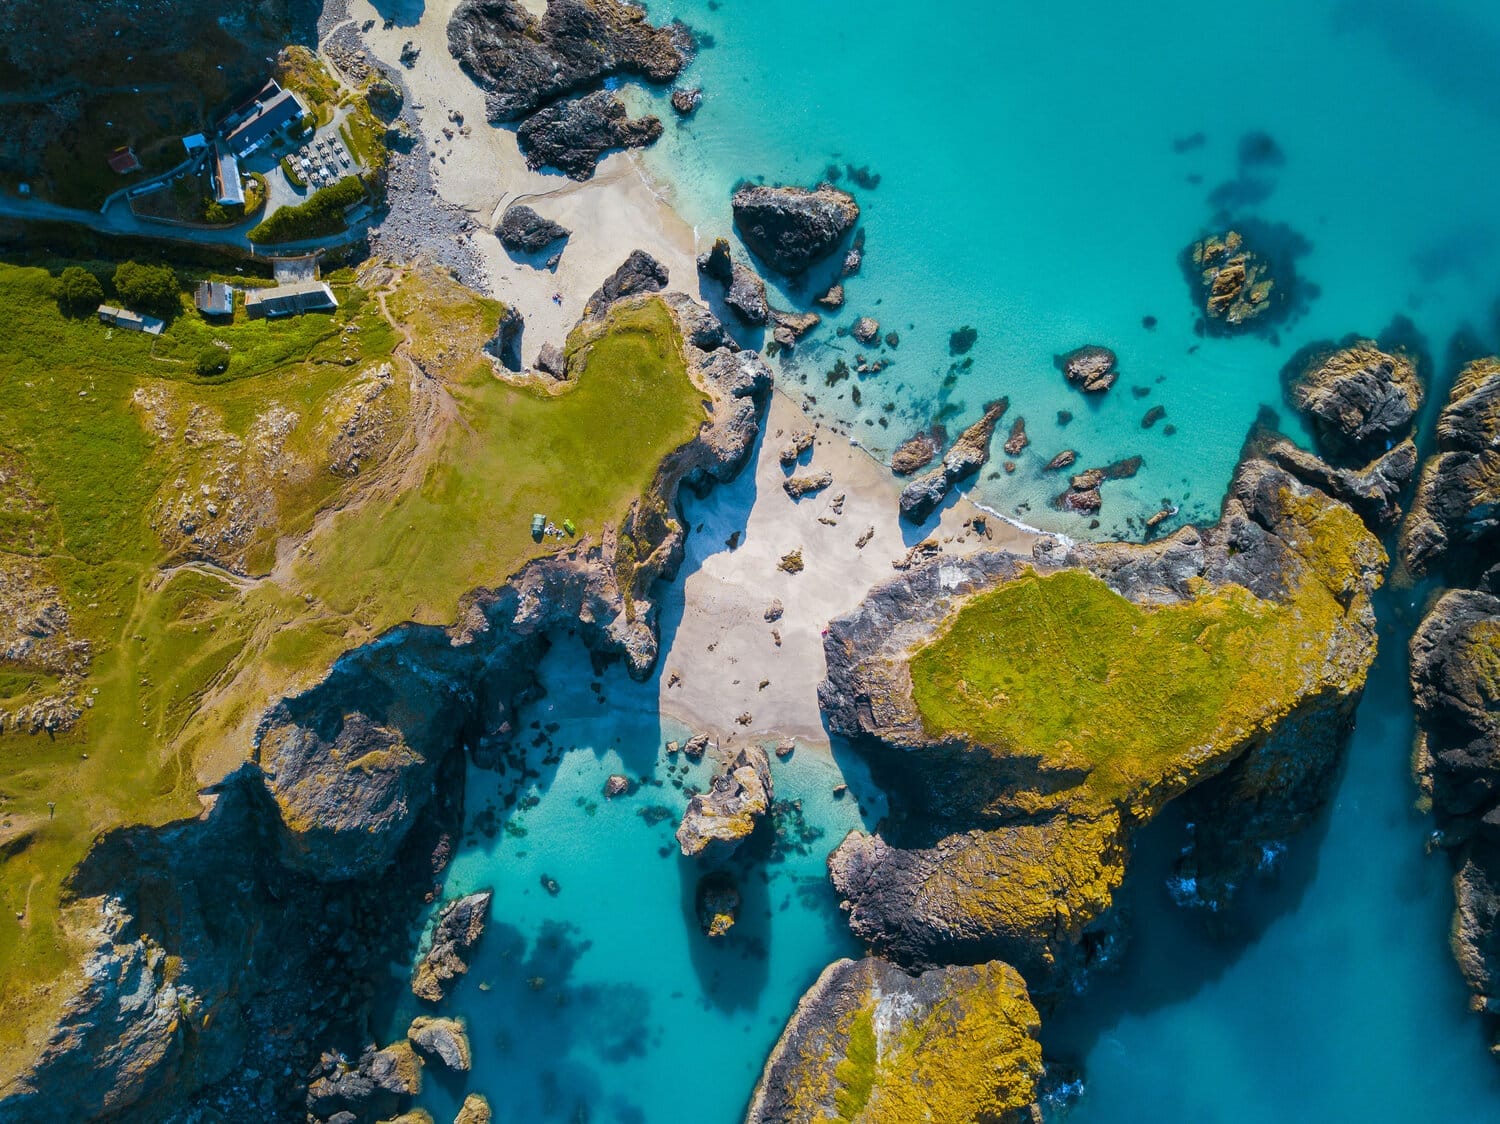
720, 657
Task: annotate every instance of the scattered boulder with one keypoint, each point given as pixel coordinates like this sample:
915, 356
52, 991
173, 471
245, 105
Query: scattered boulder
717, 903
806, 483
832, 299
443, 1039
865, 329
1091, 368
800, 441
640, 273
686, 101
774, 611
746, 295
1062, 460
523, 231
717, 262
617, 785
791, 228
474, 1110
791, 562
716, 822
458, 930
924, 495
1358, 400
550, 360
695, 747
396, 1069
795, 324
573, 135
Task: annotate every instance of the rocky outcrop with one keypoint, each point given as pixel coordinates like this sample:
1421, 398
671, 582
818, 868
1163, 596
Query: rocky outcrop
718, 821
1374, 491
442, 1039
1016, 783
913, 454
1234, 283
524, 62
870, 1044
1090, 368
1455, 678
272, 910
474, 1110
574, 134
926, 494
1084, 495
1454, 522
865, 329
686, 101
717, 903
460, 924
639, 273
1358, 400
524, 231
791, 228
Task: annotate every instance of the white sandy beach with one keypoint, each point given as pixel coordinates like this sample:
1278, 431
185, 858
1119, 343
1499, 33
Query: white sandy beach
720, 659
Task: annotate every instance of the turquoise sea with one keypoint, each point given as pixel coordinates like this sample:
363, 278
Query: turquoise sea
1041, 168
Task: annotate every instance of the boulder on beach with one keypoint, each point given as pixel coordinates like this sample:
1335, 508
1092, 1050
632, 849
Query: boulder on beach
746, 295
639, 273
791, 228
523, 231
806, 483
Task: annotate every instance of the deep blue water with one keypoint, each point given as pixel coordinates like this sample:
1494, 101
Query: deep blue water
1041, 169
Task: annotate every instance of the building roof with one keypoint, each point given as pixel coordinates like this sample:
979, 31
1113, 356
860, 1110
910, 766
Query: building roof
214, 298
124, 160
282, 300
227, 177
134, 321
276, 113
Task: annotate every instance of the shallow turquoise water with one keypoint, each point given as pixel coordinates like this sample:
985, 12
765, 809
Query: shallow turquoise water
1031, 187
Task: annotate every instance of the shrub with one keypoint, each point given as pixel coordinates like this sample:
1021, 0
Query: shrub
321, 213
78, 291
213, 361
147, 288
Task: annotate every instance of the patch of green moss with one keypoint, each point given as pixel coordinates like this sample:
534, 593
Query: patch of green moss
855, 1074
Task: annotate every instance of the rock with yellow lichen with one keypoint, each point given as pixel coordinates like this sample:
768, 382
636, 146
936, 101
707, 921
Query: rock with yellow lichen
1235, 285
738, 798
871, 1044
1027, 715
1455, 516
474, 1110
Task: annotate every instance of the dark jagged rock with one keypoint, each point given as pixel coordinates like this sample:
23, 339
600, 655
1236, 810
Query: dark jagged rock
1083, 496
1455, 516
550, 360
443, 1039
871, 1044
1152, 416
459, 927
718, 821
639, 273
1374, 490
716, 262
372, 1087
1455, 679
1090, 368
790, 228
686, 102
524, 63
1010, 852
1358, 400
574, 134
524, 231
924, 495
746, 295
506, 343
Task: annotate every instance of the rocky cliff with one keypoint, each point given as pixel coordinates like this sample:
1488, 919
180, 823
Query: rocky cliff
1029, 714
871, 1044
225, 946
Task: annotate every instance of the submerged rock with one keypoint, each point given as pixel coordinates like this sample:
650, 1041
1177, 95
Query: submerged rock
1455, 516
573, 135
870, 1044
525, 62
791, 228
459, 927
717, 903
716, 822
923, 496
524, 231
1358, 400
1090, 368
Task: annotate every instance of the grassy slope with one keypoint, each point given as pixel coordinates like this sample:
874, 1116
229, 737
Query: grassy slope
1065, 668
183, 659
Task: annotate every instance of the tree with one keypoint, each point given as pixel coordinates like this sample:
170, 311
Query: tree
149, 288
213, 361
78, 291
